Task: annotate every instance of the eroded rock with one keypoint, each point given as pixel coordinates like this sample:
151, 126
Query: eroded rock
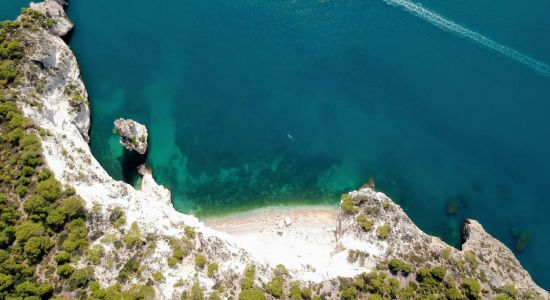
133, 135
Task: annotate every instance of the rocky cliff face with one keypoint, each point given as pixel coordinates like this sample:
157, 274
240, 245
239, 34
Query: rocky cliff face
391, 230
53, 95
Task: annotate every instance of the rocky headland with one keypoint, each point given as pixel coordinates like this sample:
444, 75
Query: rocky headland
367, 248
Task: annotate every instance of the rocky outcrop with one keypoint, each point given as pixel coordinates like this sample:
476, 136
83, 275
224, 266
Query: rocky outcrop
499, 263
482, 256
54, 10
133, 135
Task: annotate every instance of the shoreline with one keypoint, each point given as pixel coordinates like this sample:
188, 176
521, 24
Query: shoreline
280, 218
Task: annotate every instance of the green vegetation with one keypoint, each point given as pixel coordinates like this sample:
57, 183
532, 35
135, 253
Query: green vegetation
133, 236
275, 287
248, 289
383, 231
364, 222
212, 268
189, 232
397, 266
470, 257
471, 288
347, 204
200, 261
157, 276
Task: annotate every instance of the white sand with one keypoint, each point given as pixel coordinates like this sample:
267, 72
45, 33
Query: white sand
307, 246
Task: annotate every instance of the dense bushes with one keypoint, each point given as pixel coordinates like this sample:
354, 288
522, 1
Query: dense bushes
248, 290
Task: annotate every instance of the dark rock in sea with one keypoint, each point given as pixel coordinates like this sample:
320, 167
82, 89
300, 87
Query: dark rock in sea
452, 206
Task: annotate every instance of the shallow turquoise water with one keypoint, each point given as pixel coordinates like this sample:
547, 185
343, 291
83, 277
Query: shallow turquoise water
251, 103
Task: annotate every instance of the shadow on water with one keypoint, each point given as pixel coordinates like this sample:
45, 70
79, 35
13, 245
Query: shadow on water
130, 161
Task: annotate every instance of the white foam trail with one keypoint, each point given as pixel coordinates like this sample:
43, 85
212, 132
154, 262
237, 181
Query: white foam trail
439, 21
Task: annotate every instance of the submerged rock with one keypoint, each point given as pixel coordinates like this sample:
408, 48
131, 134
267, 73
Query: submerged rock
133, 135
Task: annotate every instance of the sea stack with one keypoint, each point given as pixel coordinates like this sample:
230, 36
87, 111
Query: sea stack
133, 135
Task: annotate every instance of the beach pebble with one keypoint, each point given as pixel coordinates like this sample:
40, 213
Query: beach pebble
288, 221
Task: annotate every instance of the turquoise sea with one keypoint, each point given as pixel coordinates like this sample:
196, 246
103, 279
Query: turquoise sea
249, 103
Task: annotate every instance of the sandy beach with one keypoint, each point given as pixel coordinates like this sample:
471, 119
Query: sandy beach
299, 237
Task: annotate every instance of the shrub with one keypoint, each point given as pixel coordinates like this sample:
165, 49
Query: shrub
247, 281
396, 266
349, 293
62, 258
383, 231
364, 222
157, 276
252, 294
65, 270
81, 277
347, 204
130, 267
470, 257
196, 292
510, 290
95, 253
213, 267
200, 261
76, 240
453, 294
295, 291
275, 287
438, 273
189, 232
133, 237
8, 71
280, 270
471, 288
11, 50
172, 261
21, 191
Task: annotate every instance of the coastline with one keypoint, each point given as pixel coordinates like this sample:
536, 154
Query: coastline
315, 244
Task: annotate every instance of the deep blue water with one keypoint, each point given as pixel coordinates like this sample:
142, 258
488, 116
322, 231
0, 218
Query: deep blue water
251, 103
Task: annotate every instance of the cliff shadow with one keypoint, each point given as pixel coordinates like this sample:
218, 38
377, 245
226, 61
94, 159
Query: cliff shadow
129, 162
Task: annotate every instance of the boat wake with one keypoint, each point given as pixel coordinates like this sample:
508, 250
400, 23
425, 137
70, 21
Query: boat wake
448, 25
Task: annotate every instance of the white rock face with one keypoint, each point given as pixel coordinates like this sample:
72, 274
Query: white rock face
54, 9
133, 135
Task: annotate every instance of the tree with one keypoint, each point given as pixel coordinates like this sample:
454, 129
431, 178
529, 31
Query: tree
349, 293
81, 277
56, 218
36, 247
35, 204
64, 270
73, 207
6, 281
28, 229
50, 189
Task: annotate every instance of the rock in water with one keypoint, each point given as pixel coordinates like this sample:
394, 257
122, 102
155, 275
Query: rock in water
133, 136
